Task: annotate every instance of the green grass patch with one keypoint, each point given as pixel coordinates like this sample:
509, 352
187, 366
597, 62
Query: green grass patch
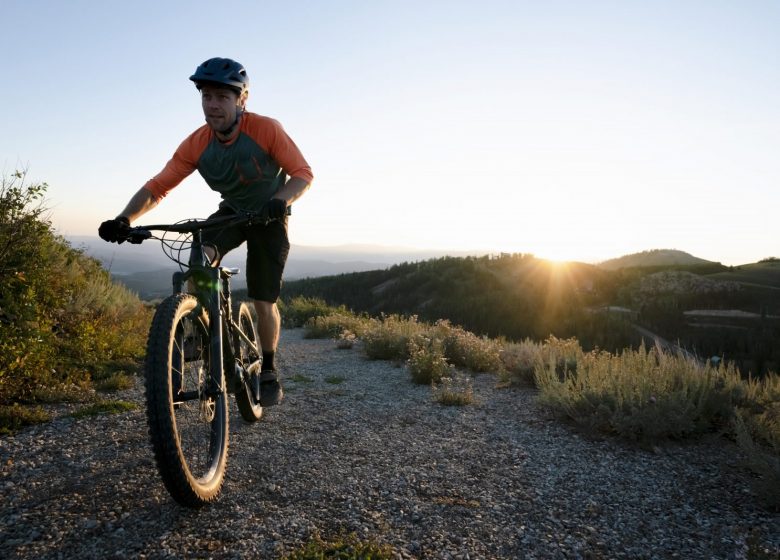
335, 379
61, 394
104, 407
342, 548
298, 378
115, 382
15, 417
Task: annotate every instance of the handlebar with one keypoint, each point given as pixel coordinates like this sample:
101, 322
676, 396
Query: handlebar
139, 234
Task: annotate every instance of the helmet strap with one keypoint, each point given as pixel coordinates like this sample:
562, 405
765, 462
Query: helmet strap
229, 130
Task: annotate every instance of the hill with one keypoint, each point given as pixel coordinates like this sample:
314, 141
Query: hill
146, 270
765, 273
515, 296
655, 258
518, 296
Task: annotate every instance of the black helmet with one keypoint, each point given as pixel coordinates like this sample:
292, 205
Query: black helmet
222, 71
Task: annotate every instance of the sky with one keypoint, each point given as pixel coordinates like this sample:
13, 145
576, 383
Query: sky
570, 129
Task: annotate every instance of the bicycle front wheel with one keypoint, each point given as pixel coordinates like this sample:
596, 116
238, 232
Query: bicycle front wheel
186, 412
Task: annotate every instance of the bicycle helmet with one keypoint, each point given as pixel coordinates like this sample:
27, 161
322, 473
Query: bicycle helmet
222, 71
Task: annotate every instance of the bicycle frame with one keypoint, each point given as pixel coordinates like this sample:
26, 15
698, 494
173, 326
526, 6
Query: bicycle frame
187, 399
212, 289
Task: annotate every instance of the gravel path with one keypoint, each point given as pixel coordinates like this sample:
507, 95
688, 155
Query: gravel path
376, 455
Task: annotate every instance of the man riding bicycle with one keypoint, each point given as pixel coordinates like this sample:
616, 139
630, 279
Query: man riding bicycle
247, 158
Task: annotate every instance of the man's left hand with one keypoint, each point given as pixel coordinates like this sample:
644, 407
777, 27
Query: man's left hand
274, 209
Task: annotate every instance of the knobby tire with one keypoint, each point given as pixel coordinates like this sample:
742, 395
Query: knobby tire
189, 435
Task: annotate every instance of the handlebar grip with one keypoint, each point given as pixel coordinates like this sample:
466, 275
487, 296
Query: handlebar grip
138, 236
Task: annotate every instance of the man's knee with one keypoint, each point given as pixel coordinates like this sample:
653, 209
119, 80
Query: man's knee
265, 308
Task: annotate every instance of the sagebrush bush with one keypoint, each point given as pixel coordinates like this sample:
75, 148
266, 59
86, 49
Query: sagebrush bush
388, 338
346, 340
332, 325
563, 353
639, 394
426, 361
478, 354
299, 310
519, 360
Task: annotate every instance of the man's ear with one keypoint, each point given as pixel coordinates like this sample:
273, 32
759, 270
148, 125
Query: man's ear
242, 99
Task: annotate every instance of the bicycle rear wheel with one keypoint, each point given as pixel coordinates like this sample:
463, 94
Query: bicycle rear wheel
187, 414
247, 396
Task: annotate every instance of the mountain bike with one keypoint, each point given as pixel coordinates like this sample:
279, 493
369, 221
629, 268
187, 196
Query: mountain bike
201, 347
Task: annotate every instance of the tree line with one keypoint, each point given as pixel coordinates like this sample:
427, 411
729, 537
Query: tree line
517, 296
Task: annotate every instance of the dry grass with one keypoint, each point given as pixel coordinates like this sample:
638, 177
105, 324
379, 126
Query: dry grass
640, 394
457, 390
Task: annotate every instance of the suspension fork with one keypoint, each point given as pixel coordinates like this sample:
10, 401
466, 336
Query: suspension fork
206, 283
216, 321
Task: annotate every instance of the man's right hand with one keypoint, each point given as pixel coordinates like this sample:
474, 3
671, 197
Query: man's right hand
115, 231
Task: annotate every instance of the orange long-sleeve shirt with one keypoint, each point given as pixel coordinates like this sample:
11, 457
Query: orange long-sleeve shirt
247, 172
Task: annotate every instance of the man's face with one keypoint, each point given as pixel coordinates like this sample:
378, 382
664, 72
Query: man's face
219, 106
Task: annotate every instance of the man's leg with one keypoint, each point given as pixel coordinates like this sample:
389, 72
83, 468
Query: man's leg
268, 328
269, 324
267, 248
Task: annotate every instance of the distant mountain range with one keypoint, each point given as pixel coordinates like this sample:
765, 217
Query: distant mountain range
146, 270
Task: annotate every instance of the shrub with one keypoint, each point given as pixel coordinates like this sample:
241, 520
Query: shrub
764, 461
639, 394
561, 354
761, 407
457, 390
465, 349
519, 360
388, 338
332, 325
15, 417
426, 361
300, 310
61, 318
346, 340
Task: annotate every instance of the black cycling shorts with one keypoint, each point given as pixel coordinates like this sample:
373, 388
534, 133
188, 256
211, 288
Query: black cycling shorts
267, 247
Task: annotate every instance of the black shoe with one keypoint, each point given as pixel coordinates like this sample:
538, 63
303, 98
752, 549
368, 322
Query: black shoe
271, 392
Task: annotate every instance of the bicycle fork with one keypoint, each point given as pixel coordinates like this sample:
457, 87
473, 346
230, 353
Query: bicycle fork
204, 279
